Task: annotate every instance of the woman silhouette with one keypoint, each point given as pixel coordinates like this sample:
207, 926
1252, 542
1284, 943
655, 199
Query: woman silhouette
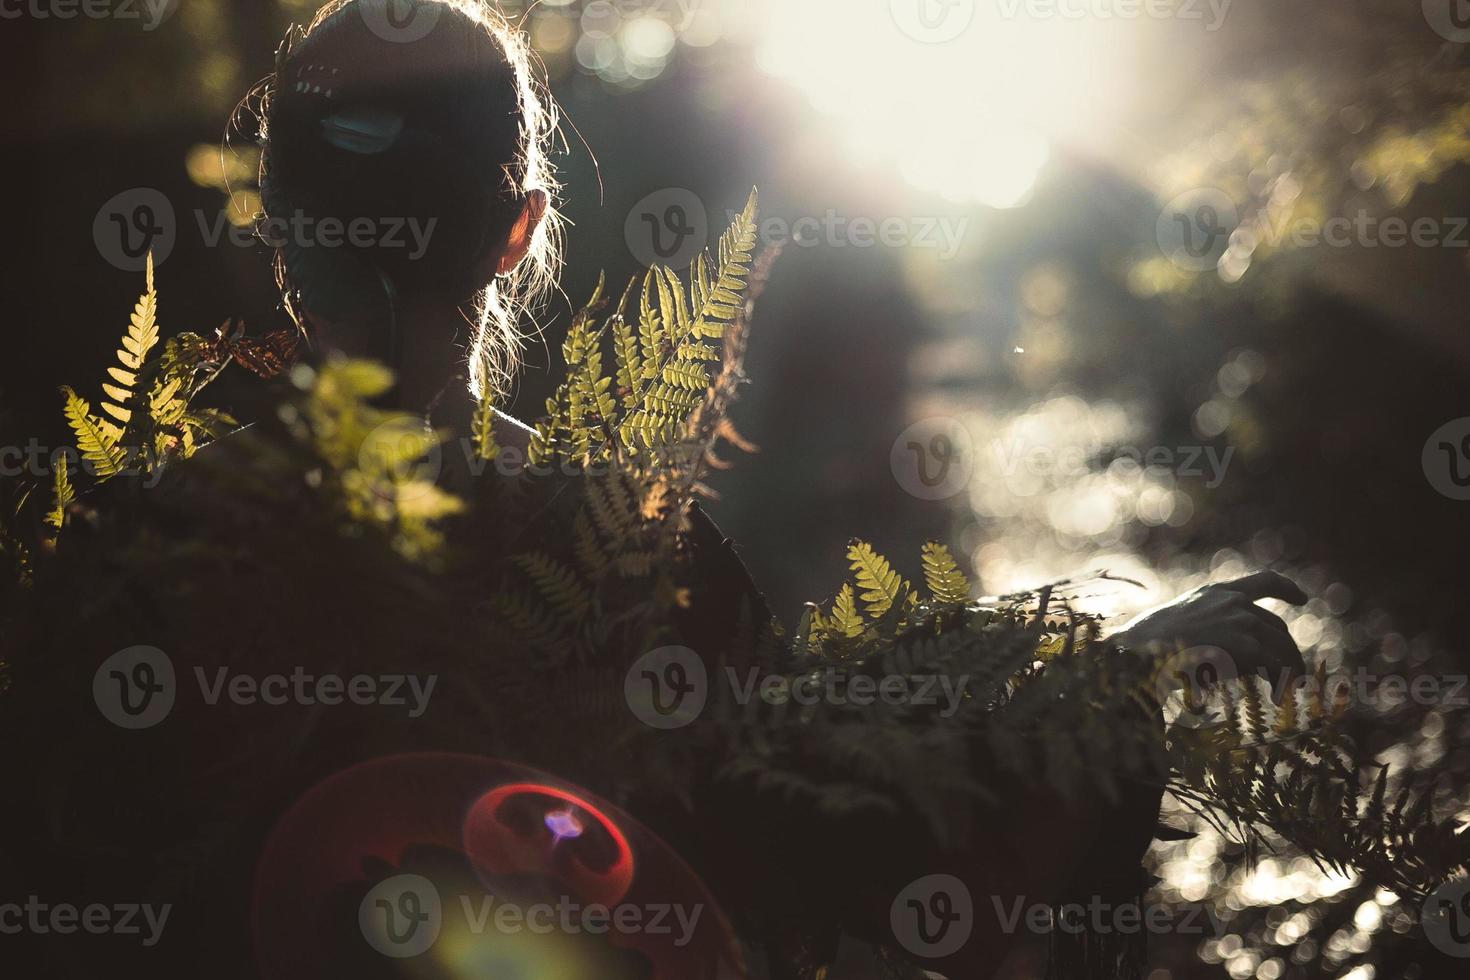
425, 140
434, 120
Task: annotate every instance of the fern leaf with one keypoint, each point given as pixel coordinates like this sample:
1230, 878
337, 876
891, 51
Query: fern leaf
651, 332
671, 304
942, 574
209, 424
558, 585
140, 338
686, 375
96, 440
845, 616
1255, 711
539, 627
881, 584
592, 560
143, 326
62, 497
610, 507
482, 428
629, 364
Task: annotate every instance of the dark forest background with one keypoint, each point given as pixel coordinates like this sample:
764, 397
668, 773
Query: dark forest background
1059, 322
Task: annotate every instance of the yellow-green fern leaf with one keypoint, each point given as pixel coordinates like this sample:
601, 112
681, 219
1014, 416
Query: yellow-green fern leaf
142, 327
482, 428
943, 576
806, 639
846, 619
629, 364
724, 297
62, 496
651, 331
687, 375
209, 424
881, 585
97, 440
140, 338
672, 304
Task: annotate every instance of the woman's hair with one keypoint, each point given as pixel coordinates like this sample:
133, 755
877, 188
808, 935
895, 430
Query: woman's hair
427, 133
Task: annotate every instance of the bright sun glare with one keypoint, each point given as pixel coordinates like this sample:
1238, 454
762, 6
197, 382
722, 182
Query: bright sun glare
973, 119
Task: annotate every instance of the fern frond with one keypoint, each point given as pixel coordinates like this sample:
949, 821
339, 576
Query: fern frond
845, 616
210, 423
558, 585
629, 364
529, 620
687, 375
635, 564
1255, 711
62, 496
651, 333
482, 428
881, 584
592, 559
97, 440
611, 508
947, 584
674, 380
140, 338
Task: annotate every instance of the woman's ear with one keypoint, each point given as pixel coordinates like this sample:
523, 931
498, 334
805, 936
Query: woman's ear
523, 232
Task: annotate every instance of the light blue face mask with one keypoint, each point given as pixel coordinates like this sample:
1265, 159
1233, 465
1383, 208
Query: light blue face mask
365, 130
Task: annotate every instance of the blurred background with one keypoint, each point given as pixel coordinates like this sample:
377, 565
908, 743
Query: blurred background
1170, 289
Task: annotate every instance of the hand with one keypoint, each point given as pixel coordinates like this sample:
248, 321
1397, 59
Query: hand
1225, 616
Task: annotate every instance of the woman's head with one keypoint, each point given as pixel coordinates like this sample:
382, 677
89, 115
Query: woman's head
406, 159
